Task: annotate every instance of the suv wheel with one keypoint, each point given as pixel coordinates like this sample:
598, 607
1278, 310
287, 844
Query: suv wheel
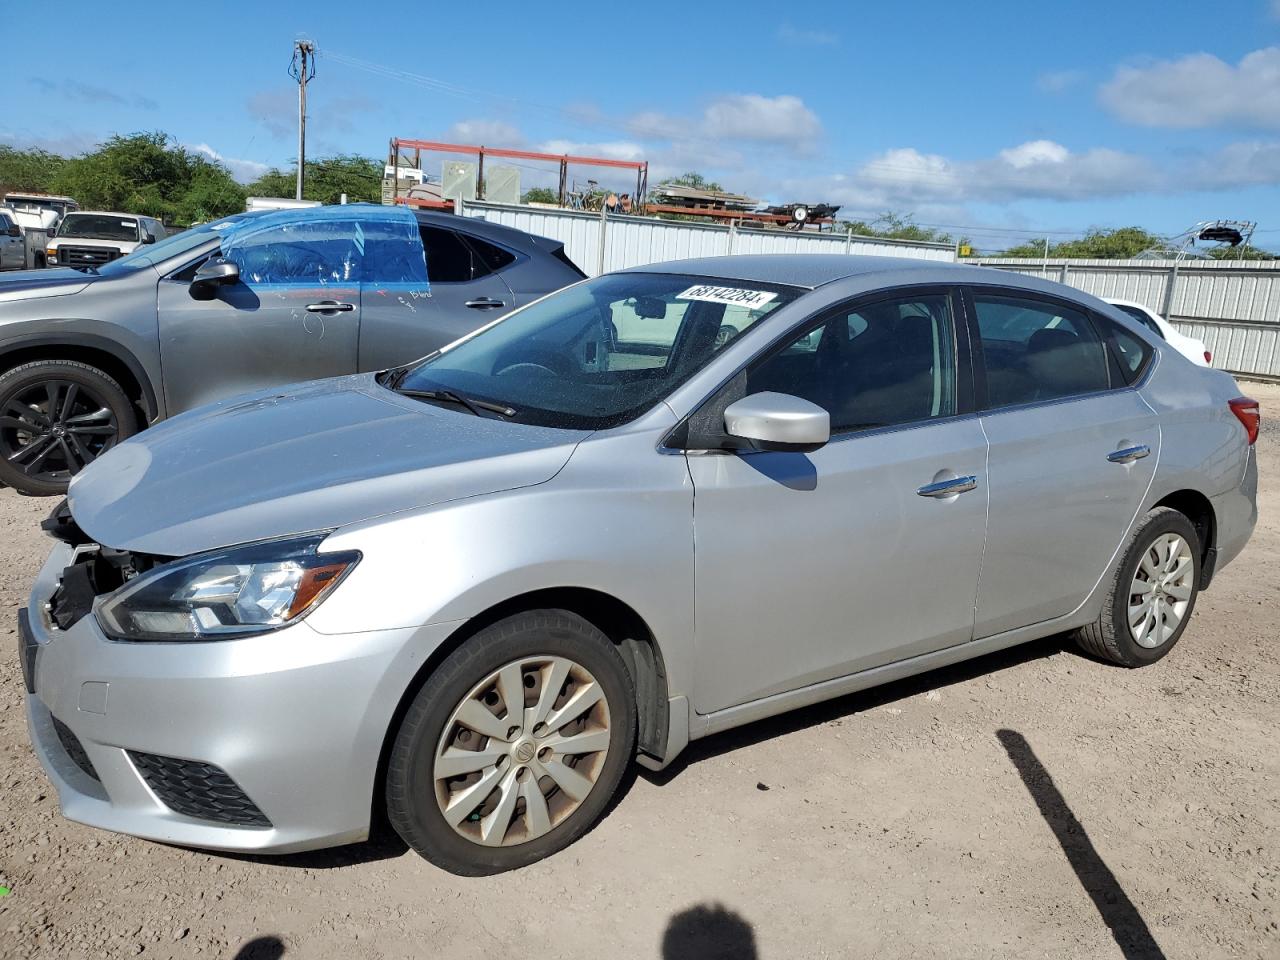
514, 746
56, 416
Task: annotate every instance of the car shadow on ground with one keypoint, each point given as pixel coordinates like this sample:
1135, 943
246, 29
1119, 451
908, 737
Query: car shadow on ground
854, 703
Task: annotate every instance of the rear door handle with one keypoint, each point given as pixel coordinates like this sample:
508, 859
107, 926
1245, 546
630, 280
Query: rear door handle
948, 488
1129, 454
330, 306
485, 303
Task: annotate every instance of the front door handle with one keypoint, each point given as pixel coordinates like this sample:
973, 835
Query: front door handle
948, 488
1129, 454
330, 306
485, 303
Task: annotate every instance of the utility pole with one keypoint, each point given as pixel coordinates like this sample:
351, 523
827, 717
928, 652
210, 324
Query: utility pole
302, 69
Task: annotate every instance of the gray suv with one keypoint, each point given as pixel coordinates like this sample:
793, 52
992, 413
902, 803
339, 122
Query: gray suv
88, 357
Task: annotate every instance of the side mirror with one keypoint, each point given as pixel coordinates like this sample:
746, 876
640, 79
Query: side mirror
148, 237
14, 230
778, 421
211, 275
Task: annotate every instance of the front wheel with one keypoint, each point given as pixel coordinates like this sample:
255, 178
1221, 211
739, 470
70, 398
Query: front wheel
56, 417
514, 746
1152, 593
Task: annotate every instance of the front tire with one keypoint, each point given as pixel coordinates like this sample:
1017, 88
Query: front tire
56, 417
1152, 595
514, 746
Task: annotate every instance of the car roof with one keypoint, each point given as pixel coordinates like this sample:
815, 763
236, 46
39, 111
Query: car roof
1119, 302
498, 232
108, 213
813, 270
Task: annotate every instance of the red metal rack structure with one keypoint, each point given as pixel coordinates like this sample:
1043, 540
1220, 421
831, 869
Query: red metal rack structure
398, 148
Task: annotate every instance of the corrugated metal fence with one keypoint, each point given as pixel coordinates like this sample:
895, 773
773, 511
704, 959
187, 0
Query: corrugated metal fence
598, 244
1232, 305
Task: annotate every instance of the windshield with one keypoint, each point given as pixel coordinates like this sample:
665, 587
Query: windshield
98, 226
602, 352
173, 245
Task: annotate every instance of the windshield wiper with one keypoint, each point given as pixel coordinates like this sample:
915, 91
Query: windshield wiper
448, 396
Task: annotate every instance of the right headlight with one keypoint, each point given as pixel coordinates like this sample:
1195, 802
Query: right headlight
226, 594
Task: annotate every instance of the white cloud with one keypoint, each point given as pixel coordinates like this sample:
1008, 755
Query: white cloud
746, 117
750, 116
1034, 152
242, 170
488, 133
1199, 90
1059, 81
1237, 165
1036, 170
802, 37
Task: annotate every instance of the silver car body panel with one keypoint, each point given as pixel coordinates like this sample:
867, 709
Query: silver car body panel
454, 515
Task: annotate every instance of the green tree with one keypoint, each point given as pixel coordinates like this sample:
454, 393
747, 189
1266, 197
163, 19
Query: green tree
540, 195
148, 173
327, 179
893, 226
1120, 243
28, 170
1246, 252
691, 179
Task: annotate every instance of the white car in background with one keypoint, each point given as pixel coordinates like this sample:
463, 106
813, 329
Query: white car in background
1191, 348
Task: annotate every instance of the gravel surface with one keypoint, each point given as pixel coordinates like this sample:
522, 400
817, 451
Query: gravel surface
1030, 803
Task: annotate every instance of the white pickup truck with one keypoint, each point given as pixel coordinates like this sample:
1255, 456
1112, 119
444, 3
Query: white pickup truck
92, 238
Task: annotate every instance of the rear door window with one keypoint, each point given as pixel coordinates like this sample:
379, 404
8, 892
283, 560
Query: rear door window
492, 256
449, 259
1037, 350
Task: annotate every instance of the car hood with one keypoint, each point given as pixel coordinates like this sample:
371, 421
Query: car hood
57, 282
311, 457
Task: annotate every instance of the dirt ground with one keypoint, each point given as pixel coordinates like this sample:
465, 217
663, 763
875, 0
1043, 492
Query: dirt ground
1033, 803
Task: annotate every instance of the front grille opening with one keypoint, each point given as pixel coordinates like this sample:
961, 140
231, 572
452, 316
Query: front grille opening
198, 790
74, 748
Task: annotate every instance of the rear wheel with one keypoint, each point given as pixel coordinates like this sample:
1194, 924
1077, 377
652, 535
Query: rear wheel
57, 416
1152, 593
514, 746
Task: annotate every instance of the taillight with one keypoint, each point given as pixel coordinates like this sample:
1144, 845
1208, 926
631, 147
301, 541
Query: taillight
1248, 413
1208, 358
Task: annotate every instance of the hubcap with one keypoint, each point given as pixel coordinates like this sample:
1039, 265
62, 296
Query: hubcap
1161, 591
50, 430
522, 751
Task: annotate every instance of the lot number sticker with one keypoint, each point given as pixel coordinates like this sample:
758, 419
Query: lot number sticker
733, 296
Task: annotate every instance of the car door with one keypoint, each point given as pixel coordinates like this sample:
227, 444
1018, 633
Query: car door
1073, 449
815, 566
294, 314
12, 249
465, 293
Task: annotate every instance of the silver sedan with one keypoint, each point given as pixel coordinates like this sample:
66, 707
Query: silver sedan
650, 507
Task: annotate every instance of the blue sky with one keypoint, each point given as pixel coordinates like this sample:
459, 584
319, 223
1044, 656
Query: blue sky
994, 117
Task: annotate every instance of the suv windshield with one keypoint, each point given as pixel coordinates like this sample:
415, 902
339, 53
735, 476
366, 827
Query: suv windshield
173, 245
99, 226
599, 353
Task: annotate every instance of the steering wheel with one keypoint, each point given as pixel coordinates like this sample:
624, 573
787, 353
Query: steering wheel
527, 367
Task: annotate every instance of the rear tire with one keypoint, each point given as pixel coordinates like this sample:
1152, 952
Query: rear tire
547, 767
1152, 593
57, 416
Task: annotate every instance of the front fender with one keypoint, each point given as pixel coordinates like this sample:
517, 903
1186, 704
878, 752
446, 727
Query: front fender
627, 534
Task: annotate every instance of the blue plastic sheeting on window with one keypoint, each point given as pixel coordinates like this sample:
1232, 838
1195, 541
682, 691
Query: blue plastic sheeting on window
393, 254
320, 246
